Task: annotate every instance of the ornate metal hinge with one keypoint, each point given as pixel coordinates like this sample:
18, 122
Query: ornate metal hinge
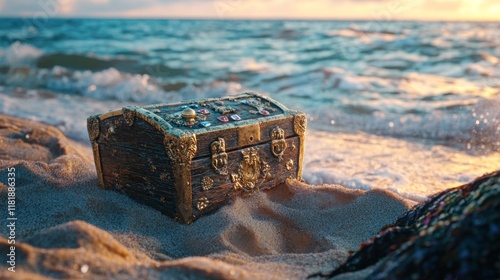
278, 143
219, 156
250, 170
182, 150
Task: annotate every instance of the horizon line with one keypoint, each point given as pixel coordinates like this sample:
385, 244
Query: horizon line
257, 19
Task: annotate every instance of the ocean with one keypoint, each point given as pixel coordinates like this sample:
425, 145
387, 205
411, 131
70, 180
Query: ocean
413, 107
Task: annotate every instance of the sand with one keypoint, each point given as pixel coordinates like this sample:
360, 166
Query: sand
68, 227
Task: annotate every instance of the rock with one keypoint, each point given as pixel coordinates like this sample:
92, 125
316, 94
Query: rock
453, 235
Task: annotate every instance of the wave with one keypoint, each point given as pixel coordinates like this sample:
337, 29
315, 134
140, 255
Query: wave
19, 54
397, 94
81, 62
452, 111
355, 31
112, 84
92, 63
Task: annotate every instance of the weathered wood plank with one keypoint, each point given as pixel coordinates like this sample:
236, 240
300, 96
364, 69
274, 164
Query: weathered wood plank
140, 136
134, 162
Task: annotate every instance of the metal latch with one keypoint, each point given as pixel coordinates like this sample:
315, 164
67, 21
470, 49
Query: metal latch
248, 134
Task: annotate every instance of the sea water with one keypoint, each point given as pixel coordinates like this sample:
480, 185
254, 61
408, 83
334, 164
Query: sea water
409, 106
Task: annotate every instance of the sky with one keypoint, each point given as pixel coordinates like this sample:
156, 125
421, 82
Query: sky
446, 10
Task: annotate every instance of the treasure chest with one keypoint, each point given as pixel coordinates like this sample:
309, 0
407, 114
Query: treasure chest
188, 159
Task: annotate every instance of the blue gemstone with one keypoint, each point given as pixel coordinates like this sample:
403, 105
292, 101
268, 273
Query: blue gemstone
184, 106
205, 124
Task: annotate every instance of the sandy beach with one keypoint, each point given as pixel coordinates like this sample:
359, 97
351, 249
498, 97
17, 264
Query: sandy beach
70, 228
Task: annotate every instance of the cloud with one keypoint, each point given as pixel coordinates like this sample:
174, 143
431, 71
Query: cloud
70, 7
114, 7
19, 7
444, 5
35, 8
287, 9
66, 6
99, 1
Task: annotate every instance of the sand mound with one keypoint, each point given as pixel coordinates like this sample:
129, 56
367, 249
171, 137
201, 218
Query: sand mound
69, 228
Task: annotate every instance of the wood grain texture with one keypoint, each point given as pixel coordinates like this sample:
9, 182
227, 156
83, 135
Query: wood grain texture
134, 162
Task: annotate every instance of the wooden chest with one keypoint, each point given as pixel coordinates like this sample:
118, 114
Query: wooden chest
190, 158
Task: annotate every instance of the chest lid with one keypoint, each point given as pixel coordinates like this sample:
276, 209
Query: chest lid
243, 120
199, 116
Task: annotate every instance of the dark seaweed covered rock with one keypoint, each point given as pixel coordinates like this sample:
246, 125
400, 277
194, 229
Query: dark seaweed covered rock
453, 235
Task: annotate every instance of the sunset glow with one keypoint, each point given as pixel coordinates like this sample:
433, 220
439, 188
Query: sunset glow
435, 10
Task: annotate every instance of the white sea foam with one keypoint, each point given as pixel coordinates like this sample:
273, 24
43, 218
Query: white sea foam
19, 54
252, 65
366, 37
108, 84
362, 161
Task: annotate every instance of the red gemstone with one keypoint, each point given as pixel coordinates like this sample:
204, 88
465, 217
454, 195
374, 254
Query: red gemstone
223, 119
204, 111
264, 112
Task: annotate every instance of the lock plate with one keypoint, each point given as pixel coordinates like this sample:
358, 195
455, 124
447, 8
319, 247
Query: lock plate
248, 134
